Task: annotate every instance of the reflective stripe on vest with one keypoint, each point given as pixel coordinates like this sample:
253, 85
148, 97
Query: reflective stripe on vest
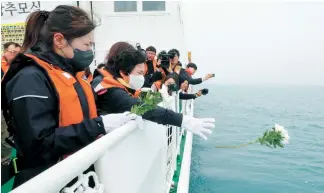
69, 103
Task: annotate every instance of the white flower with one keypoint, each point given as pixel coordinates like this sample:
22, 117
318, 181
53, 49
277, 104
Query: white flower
283, 132
279, 128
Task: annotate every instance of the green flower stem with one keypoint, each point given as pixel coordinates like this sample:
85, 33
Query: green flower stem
147, 102
242, 145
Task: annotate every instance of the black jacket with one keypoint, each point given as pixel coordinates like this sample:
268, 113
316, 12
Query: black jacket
151, 76
117, 100
185, 96
183, 75
33, 104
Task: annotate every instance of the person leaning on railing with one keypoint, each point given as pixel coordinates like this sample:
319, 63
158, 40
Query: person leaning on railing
48, 107
169, 85
186, 74
119, 82
183, 95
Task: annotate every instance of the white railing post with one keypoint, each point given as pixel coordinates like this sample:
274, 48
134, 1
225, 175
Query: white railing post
184, 178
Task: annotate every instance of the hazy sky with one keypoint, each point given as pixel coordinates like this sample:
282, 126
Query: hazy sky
257, 42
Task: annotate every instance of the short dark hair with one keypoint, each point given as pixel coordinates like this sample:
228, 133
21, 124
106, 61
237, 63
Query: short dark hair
162, 53
115, 49
174, 50
101, 65
192, 65
71, 21
174, 76
6, 45
151, 48
127, 60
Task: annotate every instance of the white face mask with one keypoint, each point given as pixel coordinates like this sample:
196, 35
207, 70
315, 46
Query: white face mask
136, 81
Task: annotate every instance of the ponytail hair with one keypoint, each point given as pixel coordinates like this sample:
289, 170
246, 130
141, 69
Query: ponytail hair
35, 23
70, 21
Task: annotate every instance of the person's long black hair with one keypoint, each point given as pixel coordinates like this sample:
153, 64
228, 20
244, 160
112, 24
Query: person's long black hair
71, 21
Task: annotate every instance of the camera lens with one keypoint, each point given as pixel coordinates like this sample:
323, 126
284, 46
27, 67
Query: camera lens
204, 91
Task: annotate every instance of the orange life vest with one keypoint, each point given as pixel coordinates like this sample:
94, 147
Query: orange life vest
69, 104
154, 66
4, 65
109, 81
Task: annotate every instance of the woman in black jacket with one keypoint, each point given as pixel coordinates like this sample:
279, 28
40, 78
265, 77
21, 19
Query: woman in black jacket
123, 76
49, 108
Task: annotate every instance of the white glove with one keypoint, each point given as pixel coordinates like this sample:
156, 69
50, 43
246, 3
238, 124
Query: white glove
145, 89
197, 126
113, 121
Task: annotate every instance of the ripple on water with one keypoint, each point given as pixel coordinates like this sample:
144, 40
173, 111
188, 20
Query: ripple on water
246, 113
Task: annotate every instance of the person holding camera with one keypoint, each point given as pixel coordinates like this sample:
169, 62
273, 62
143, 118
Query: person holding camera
168, 87
163, 66
186, 74
164, 63
183, 95
175, 64
152, 72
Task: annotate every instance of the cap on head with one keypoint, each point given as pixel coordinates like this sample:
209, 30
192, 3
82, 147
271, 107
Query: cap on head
151, 48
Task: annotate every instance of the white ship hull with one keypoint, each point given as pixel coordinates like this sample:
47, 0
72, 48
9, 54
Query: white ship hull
127, 160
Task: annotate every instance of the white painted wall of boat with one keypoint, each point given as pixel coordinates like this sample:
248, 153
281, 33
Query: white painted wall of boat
161, 29
137, 163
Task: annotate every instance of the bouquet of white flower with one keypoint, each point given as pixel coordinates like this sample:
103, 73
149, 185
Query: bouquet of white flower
277, 136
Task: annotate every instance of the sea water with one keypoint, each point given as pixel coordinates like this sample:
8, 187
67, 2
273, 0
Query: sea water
242, 114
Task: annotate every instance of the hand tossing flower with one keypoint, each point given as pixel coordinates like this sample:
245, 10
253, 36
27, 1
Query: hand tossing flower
277, 136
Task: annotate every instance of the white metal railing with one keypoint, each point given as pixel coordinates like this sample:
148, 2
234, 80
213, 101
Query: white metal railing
184, 178
171, 131
126, 160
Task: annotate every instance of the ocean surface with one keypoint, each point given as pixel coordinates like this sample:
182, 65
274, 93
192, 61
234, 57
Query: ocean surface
242, 114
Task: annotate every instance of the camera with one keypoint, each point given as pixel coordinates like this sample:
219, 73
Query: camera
139, 48
164, 57
204, 91
172, 55
213, 75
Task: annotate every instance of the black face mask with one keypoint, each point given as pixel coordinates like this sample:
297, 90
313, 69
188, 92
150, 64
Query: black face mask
172, 87
81, 59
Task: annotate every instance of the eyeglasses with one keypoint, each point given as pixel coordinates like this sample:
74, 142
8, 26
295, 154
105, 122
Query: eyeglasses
12, 52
